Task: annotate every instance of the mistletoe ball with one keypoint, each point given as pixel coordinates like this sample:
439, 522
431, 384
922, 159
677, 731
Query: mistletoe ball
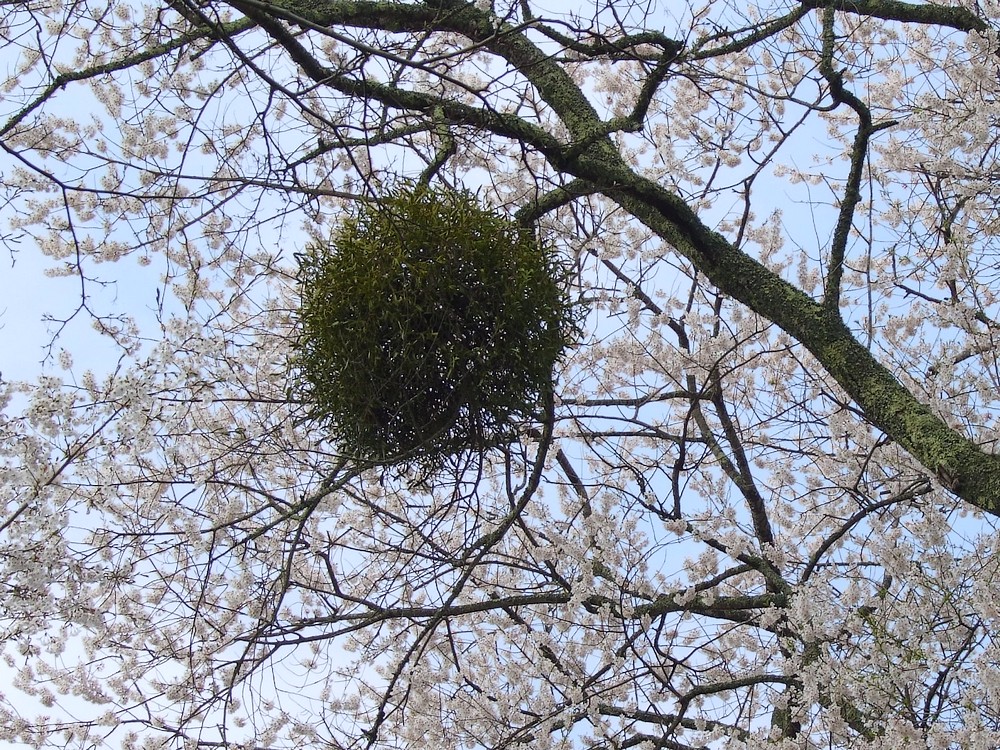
429, 325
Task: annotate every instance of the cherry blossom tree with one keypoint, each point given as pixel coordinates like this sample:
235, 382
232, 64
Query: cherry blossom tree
760, 508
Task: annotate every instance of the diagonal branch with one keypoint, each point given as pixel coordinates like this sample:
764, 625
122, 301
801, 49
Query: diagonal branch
62, 80
884, 400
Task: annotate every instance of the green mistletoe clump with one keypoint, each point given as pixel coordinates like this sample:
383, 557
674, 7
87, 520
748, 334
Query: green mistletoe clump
429, 325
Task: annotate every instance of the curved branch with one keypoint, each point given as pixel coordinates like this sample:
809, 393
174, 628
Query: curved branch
859, 154
952, 16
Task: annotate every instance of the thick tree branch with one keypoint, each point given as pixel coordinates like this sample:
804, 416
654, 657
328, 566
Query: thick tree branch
955, 17
884, 400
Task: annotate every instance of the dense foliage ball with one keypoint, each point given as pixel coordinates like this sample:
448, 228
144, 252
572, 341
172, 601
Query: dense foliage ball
428, 326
